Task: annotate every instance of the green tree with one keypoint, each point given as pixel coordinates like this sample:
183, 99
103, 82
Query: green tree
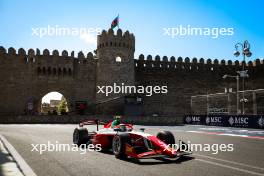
62, 107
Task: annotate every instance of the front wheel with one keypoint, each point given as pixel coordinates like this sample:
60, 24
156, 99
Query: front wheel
119, 145
167, 137
80, 136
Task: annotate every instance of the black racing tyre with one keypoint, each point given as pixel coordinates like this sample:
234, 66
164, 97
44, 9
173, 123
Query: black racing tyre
119, 145
80, 136
166, 136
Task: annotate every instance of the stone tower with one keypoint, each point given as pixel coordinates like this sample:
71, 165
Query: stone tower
115, 63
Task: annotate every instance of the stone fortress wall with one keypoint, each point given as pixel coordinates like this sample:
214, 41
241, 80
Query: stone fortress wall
188, 77
26, 76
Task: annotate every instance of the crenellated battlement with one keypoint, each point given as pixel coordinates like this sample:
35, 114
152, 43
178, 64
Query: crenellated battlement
48, 64
109, 39
191, 64
55, 53
142, 61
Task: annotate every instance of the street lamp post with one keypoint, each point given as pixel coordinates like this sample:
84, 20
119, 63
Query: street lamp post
243, 73
237, 91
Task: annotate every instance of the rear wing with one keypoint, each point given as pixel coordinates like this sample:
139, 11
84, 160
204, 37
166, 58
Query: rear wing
92, 122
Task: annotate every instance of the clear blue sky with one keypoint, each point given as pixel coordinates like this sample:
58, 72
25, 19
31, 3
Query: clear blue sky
145, 18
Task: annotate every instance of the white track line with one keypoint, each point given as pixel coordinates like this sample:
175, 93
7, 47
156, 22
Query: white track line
25, 168
232, 162
234, 135
227, 134
195, 132
230, 167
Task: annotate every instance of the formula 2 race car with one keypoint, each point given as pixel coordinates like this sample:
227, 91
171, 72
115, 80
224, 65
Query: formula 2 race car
125, 142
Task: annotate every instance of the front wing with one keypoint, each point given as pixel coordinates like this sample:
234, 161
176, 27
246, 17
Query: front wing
131, 152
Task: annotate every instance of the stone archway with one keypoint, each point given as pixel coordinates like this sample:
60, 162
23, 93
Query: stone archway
53, 103
38, 99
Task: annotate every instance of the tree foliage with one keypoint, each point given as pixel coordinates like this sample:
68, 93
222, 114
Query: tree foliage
62, 107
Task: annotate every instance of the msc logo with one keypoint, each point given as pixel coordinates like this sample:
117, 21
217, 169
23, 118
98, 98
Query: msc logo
231, 121
261, 122
213, 120
190, 119
238, 120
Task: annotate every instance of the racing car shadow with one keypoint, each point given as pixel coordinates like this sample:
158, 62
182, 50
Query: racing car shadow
159, 161
155, 161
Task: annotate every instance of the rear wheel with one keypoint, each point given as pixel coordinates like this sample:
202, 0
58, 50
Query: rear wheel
166, 136
119, 145
80, 136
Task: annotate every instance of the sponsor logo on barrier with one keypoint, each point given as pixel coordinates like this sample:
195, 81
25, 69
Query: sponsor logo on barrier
252, 121
188, 119
213, 120
231, 121
193, 119
207, 120
261, 122
196, 119
240, 121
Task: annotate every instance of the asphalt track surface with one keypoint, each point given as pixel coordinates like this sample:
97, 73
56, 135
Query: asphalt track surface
247, 158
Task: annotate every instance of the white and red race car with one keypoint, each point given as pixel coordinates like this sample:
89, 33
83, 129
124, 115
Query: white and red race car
125, 142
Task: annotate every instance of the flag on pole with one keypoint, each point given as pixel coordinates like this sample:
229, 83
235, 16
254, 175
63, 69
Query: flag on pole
115, 22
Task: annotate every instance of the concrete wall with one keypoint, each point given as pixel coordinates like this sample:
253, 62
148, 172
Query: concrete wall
70, 119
